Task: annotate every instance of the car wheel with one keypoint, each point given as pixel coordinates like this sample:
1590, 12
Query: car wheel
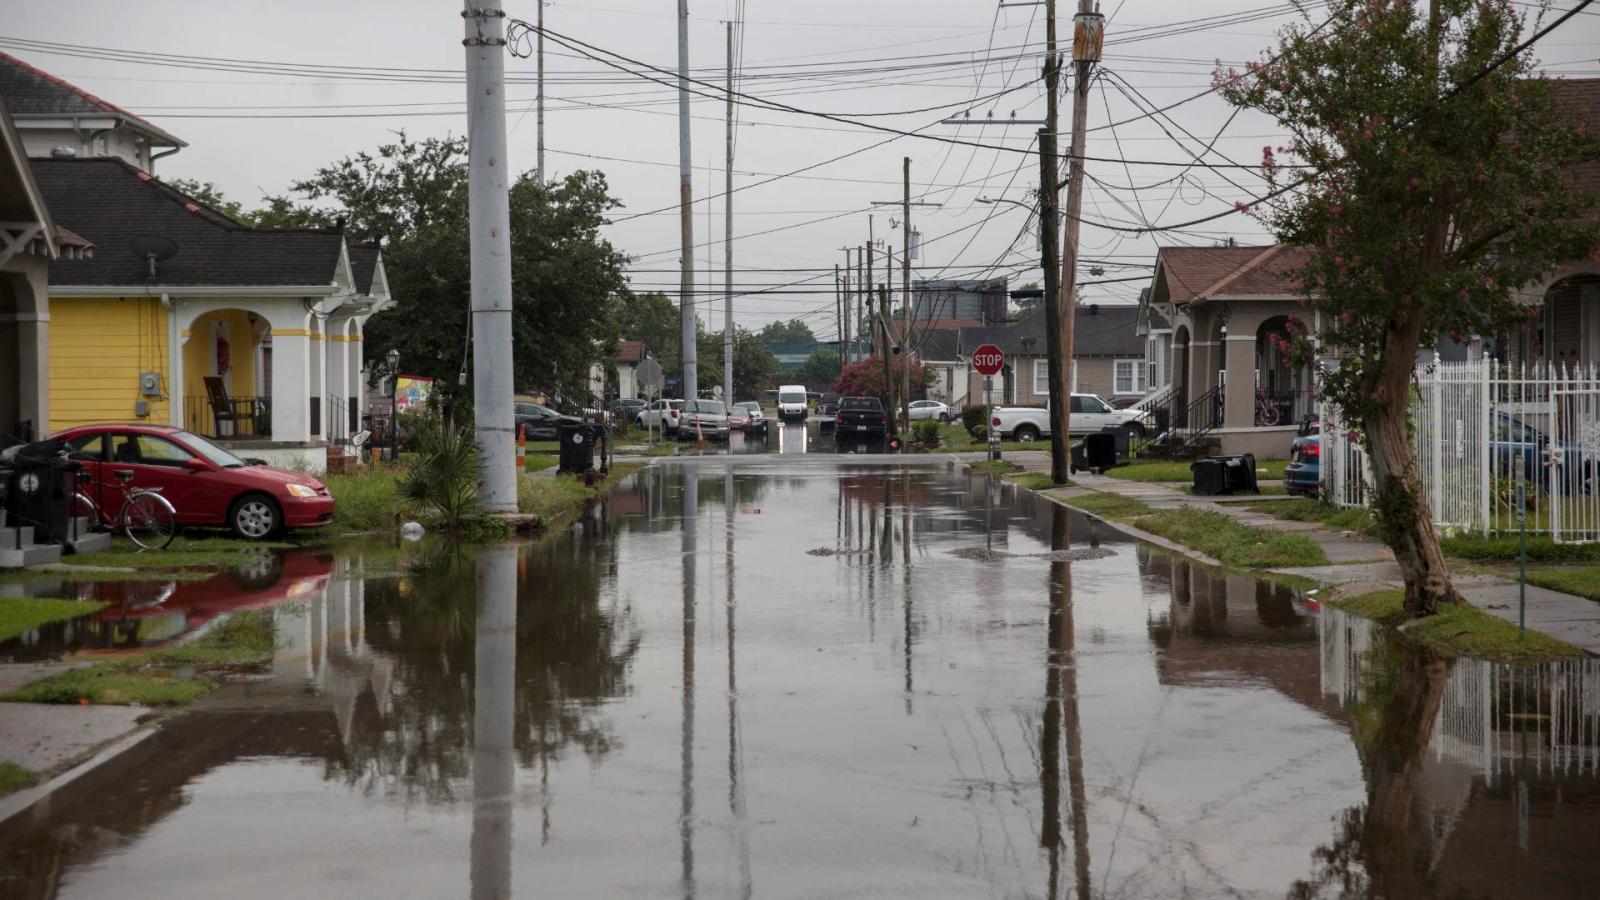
1135, 430
255, 517
1025, 434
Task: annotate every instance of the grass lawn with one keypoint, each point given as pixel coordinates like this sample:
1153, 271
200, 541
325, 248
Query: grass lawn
14, 777
1461, 630
245, 638
562, 498
1034, 481
994, 466
1213, 533
1268, 490
1306, 510
20, 615
952, 436
1503, 548
366, 499
184, 552
538, 463
1581, 580
1162, 470
1109, 506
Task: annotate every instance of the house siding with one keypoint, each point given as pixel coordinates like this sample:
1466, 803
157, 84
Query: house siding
98, 347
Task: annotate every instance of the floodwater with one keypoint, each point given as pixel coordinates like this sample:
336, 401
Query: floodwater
815, 676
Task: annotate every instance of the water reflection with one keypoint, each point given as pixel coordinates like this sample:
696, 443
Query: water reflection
905, 715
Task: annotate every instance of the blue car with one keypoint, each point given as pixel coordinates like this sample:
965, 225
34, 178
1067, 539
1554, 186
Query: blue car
1303, 474
1516, 442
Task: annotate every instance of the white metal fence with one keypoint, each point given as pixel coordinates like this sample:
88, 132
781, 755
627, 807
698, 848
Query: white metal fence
1482, 428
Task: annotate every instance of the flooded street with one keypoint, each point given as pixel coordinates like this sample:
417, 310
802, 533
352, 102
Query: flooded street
819, 676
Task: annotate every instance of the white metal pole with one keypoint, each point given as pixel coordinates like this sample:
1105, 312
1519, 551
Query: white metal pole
686, 333
727, 243
489, 218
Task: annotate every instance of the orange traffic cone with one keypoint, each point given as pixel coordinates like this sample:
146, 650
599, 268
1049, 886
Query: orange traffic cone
522, 448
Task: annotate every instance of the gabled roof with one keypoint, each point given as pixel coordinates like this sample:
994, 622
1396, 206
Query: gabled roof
1186, 274
1100, 330
20, 197
34, 93
629, 352
364, 265
110, 203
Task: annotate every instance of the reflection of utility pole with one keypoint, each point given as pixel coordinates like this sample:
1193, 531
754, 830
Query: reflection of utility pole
1061, 713
494, 690
691, 510
735, 757
905, 576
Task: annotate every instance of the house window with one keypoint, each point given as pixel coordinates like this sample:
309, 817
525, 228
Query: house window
1041, 376
1130, 376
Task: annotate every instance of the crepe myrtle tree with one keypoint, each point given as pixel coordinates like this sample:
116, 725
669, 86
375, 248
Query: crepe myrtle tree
1428, 181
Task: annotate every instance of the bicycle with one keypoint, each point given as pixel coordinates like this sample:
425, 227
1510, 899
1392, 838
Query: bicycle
1266, 411
146, 518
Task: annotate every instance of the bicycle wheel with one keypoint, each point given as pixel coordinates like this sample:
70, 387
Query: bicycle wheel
149, 521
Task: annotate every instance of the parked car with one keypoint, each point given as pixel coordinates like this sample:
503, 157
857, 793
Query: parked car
827, 416
756, 420
792, 403
1303, 474
540, 421
1515, 442
931, 409
703, 418
861, 417
1090, 414
207, 485
662, 415
627, 408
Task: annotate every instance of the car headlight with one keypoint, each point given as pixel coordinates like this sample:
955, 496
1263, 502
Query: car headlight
301, 490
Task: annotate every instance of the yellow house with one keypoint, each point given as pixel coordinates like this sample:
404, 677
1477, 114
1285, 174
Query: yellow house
188, 318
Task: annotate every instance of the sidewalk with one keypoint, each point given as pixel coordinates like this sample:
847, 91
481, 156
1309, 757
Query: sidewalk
1354, 557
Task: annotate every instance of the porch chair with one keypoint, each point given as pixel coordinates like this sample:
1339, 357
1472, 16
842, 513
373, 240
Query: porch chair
227, 409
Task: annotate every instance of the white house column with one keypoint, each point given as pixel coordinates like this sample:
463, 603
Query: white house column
334, 417
1239, 401
291, 367
355, 374
315, 375
177, 338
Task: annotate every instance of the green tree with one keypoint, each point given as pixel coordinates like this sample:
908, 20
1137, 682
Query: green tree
786, 334
1427, 183
653, 319
1026, 305
754, 366
412, 196
820, 369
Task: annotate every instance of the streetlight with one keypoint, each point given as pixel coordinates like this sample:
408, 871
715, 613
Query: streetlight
393, 358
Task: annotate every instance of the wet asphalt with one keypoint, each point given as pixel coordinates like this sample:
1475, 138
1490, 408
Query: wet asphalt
816, 675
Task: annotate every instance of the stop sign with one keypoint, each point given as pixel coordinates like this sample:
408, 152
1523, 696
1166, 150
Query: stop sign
988, 359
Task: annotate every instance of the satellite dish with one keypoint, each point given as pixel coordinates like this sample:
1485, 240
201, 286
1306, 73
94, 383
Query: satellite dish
153, 248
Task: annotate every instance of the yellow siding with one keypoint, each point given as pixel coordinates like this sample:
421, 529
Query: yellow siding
199, 355
98, 347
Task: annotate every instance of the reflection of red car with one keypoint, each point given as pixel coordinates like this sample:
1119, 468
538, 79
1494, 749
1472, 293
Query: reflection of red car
150, 613
206, 484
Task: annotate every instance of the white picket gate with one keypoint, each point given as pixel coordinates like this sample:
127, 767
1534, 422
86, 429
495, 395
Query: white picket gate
1480, 428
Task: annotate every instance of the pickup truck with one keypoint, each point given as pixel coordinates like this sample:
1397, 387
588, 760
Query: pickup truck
1090, 414
861, 416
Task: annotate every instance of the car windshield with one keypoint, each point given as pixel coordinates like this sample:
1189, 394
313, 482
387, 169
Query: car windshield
791, 397
210, 451
709, 407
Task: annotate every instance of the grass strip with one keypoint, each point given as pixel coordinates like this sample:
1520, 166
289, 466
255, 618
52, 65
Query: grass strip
538, 463
1164, 470
1503, 548
20, 615
1459, 629
182, 553
1035, 481
14, 777
1109, 506
563, 497
1304, 510
1232, 542
244, 638
995, 466
366, 499
1583, 581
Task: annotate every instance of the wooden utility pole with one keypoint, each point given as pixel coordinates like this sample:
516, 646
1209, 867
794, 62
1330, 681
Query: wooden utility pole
888, 368
905, 296
687, 324
861, 295
727, 243
1088, 32
1058, 352
847, 310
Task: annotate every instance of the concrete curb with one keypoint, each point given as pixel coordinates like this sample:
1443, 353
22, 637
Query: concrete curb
20, 802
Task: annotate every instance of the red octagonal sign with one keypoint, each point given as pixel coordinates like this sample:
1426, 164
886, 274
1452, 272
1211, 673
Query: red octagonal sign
988, 359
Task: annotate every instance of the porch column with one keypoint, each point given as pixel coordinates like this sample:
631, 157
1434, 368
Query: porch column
177, 339
1239, 402
313, 394
291, 365
335, 359
1202, 346
355, 375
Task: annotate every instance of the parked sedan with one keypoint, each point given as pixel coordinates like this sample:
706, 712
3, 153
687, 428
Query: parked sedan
756, 423
704, 418
541, 421
627, 409
207, 485
1517, 445
931, 409
1303, 474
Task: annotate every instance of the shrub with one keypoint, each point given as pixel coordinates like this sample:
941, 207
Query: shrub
973, 418
925, 434
444, 479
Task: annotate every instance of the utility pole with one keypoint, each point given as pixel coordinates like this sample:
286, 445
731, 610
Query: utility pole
727, 244
838, 308
846, 311
489, 220
1088, 33
888, 371
868, 284
905, 296
539, 99
1058, 353
861, 331
687, 323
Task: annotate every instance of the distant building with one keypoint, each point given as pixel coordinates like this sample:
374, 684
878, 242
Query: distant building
947, 300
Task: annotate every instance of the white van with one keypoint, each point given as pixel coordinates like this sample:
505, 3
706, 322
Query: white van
792, 402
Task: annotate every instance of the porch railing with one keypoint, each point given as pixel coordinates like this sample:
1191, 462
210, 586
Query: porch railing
343, 418
246, 418
1283, 407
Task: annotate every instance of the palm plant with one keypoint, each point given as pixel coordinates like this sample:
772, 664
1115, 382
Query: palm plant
444, 479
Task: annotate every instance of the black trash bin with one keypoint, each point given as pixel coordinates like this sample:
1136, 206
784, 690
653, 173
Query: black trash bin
1225, 475
1095, 453
1121, 437
1209, 476
1241, 474
40, 483
578, 440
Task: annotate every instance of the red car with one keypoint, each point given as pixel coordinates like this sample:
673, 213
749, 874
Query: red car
207, 485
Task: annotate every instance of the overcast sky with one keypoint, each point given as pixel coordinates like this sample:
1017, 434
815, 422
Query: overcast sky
254, 133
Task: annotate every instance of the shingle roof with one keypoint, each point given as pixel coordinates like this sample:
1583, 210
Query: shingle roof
1100, 330
939, 345
363, 266
110, 202
629, 351
31, 91
1187, 273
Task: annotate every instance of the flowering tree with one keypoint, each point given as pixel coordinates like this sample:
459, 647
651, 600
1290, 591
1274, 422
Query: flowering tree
1428, 180
865, 378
